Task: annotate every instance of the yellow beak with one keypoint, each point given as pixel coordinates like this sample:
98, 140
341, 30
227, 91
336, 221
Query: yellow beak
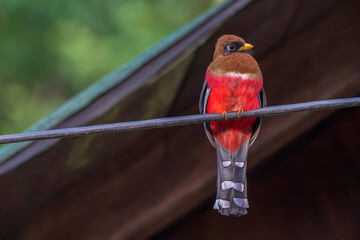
247, 46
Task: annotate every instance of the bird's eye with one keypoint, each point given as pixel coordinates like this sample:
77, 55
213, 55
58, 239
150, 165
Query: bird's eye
231, 47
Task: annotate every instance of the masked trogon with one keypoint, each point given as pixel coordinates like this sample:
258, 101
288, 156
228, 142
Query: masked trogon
233, 82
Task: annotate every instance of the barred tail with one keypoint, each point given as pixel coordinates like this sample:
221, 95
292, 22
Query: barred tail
231, 196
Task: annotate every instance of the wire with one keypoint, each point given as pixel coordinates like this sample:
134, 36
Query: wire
179, 121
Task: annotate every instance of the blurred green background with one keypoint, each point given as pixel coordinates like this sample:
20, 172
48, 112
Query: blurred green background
52, 49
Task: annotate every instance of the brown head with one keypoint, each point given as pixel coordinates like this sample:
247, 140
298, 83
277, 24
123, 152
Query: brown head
228, 44
230, 56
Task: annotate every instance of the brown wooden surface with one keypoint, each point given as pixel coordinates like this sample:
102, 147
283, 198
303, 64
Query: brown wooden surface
62, 165
140, 182
308, 191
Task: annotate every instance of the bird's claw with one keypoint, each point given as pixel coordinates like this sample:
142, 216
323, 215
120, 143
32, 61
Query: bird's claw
240, 113
224, 114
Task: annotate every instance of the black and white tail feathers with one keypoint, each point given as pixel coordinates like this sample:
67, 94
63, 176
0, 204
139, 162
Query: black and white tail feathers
231, 167
231, 198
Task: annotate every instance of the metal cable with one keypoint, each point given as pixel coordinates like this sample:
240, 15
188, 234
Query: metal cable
179, 121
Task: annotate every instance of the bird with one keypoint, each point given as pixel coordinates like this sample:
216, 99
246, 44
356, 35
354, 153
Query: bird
233, 82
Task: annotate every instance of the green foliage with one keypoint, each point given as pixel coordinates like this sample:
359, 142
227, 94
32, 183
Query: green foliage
50, 50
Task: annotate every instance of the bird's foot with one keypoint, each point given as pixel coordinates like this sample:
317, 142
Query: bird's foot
224, 114
240, 113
